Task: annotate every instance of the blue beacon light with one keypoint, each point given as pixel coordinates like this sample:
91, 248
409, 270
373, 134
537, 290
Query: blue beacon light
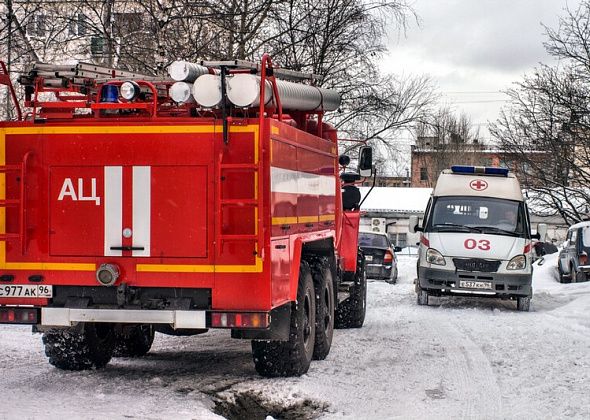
109, 93
487, 170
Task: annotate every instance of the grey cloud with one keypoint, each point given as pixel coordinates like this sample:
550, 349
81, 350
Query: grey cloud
489, 34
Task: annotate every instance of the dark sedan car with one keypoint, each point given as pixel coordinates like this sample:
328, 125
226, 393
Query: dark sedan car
381, 262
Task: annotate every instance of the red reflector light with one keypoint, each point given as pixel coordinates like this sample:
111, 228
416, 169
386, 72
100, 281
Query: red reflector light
424, 241
18, 315
527, 248
388, 257
239, 320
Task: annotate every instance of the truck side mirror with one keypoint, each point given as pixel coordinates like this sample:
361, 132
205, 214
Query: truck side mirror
541, 232
366, 161
413, 224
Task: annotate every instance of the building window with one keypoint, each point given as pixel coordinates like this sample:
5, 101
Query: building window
423, 174
127, 23
402, 240
97, 45
37, 25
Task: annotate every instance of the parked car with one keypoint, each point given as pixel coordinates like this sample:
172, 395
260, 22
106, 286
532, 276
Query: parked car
381, 262
544, 248
573, 264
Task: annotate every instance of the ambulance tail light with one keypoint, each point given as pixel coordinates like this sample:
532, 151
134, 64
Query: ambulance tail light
19, 315
486, 170
583, 258
240, 320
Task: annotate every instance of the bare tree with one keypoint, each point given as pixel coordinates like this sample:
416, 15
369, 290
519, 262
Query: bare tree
339, 40
545, 131
445, 139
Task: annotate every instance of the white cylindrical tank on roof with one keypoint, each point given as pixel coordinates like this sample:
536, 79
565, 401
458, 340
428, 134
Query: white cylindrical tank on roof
243, 90
183, 71
182, 92
207, 90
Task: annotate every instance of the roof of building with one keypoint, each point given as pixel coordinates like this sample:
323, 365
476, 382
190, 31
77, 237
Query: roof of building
395, 199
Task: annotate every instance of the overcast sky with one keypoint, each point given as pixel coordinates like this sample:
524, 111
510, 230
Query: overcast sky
473, 49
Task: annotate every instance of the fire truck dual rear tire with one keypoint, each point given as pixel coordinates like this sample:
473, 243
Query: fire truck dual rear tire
351, 313
87, 346
134, 342
293, 357
324, 295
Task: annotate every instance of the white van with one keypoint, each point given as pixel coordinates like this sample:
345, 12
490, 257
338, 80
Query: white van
476, 238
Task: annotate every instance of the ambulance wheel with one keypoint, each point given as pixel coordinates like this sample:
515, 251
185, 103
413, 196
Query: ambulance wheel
89, 346
561, 273
351, 313
324, 316
134, 342
523, 303
293, 357
422, 297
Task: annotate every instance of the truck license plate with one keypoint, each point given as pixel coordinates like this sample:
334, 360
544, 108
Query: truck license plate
476, 284
26, 291
368, 258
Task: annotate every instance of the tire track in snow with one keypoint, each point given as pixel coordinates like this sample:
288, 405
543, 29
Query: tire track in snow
468, 377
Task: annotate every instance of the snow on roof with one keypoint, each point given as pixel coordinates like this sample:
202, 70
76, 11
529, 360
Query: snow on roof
396, 200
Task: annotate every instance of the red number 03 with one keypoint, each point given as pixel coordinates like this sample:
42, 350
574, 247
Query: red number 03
482, 244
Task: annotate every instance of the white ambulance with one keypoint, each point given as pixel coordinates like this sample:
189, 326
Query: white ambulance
476, 238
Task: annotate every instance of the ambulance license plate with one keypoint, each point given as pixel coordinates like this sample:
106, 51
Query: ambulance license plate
476, 284
26, 291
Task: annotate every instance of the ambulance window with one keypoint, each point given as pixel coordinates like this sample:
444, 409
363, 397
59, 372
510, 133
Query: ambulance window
586, 237
491, 215
573, 237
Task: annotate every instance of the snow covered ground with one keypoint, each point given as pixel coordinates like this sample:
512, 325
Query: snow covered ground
460, 358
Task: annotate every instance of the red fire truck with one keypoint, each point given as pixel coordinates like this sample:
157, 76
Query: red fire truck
123, 212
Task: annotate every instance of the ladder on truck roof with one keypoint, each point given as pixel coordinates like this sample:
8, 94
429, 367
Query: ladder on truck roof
63, 75
256, 68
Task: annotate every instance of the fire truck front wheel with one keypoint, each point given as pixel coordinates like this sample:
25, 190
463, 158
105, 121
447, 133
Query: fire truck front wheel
86, 346
293, 357
134, 342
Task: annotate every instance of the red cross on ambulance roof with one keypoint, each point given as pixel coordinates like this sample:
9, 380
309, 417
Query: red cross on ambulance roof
478, 184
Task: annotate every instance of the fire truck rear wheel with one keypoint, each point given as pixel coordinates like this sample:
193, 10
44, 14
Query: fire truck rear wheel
89, 346
293, 357
324, 295
351, 313
134, 342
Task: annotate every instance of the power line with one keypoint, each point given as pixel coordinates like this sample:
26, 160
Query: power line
474, 92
